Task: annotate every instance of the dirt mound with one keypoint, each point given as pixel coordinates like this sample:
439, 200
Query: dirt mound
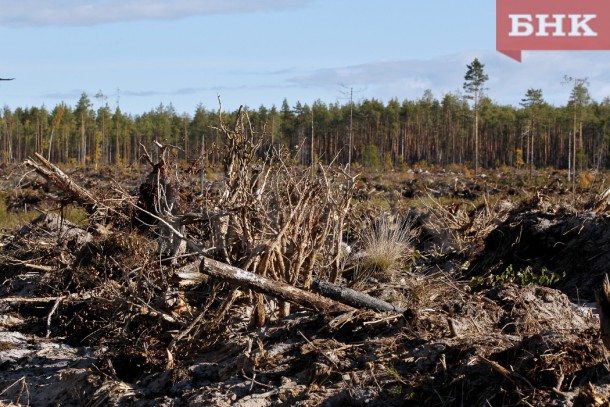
572, 247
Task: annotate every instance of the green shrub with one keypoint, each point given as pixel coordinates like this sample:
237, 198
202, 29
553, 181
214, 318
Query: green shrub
526, 276
370, 158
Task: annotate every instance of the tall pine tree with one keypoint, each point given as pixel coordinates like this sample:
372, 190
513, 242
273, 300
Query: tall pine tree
474, 81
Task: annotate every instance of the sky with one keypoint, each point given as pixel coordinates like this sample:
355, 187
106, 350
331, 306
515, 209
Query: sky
139, 54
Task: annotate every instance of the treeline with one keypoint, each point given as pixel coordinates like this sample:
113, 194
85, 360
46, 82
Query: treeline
427, 130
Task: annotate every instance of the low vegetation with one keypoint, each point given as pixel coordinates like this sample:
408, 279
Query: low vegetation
385, 245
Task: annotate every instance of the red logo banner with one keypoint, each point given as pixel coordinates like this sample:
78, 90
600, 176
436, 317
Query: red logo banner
551, 25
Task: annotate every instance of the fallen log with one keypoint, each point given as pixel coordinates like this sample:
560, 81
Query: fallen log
54, 224
63, 181
277, 289
354, 298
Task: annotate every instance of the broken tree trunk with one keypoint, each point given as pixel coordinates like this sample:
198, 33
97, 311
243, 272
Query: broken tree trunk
277, 289
354, 298
63, 181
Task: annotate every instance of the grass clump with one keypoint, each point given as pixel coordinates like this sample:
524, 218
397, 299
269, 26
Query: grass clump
10, 220
385, 243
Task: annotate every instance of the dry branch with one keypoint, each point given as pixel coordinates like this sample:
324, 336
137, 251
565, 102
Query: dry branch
53, 174
277, 289
602, 202
16, 262
46, 300
353, 298
512, 376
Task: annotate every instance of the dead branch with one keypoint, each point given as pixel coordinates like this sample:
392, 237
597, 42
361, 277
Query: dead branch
354, 298
277, 289
53, 174
512, 376
16, 262
46, 300
50, 315
602, 202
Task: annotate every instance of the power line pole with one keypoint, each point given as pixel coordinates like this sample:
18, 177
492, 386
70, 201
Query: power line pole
312, 139
202, 173
351, 122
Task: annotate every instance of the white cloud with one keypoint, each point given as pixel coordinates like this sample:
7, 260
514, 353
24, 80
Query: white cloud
88, 12
509, 80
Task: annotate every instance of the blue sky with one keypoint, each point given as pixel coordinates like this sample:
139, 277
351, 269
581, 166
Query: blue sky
141, 53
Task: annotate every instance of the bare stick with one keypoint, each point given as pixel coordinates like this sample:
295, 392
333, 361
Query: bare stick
353, 297
50, 316
512, 376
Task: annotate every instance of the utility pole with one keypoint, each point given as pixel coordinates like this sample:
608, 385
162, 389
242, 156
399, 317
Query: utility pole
351, 122
569, 156
312, 139
202, 173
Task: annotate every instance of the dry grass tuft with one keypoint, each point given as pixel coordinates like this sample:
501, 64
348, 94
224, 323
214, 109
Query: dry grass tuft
585, 180
385, 243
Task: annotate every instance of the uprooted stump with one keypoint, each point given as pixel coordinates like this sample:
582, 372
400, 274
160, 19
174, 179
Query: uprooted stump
159, 207
64, 230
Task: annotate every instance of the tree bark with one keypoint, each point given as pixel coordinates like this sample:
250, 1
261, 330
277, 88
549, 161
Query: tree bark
277, 289
354, 298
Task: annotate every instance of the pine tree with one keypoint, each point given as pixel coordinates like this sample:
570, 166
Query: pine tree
532, 102
474, 79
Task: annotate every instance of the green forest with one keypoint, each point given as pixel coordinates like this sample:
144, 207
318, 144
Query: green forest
467, 129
